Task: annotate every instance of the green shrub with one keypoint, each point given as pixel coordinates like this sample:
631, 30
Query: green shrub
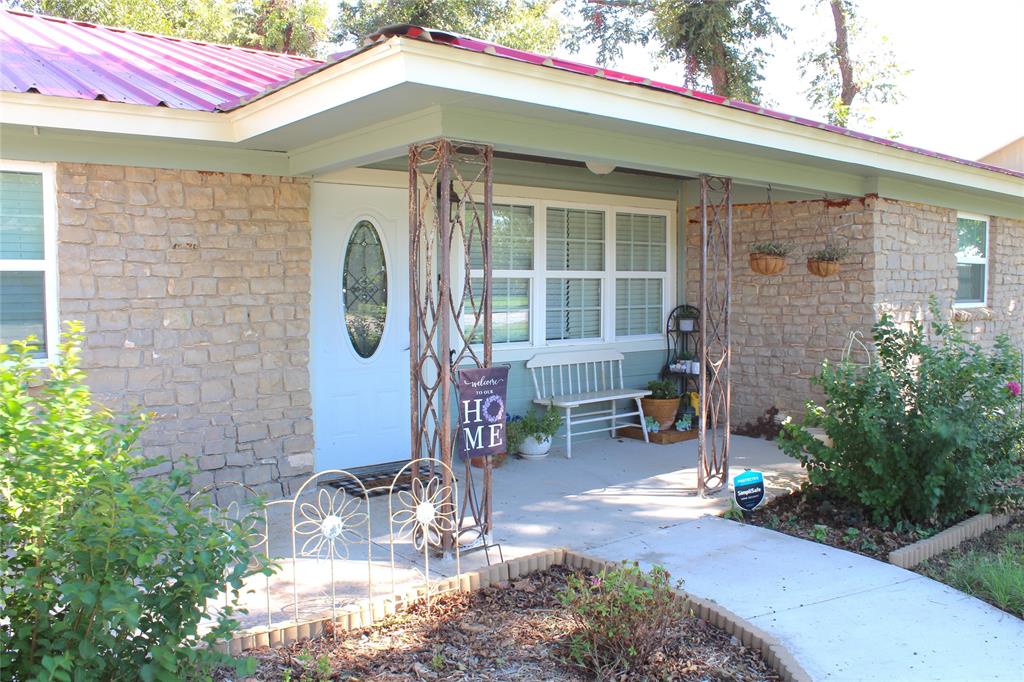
662, 389
105, 575
622, 617
923, 434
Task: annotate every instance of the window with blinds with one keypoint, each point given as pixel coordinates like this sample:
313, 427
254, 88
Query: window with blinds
638, 306
641, 243
573, 308
512, 247
575, 239
22, 258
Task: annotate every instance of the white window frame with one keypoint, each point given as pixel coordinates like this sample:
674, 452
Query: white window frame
974, 261
540, 199
48, 264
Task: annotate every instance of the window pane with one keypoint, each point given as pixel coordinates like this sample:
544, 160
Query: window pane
575, 239
510, 310
638, 306
573, 309
365, 289
511, 239
23, 307
971, 288
970, 238
640, 242
21, 216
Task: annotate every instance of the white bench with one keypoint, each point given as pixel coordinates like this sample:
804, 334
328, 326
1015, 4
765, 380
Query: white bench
573, 379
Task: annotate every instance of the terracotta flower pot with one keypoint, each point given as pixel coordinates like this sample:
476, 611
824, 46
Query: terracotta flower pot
496, 461
663, 411
767, 263
822, 268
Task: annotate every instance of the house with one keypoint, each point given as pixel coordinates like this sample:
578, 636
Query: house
233, 227
1010, 155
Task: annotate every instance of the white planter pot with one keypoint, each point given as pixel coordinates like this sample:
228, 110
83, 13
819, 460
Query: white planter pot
532, 448
694, 367
686, 324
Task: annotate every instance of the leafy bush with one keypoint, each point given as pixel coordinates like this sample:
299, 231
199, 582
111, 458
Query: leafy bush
662, 389
106, 575
622, 617
830, 253
921, 435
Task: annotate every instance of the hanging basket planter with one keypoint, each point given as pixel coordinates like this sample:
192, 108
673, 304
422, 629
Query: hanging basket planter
767, 263
822, 268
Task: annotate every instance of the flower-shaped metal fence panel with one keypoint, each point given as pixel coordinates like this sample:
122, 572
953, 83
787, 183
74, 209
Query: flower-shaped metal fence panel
424, 514
327, 527
244, 510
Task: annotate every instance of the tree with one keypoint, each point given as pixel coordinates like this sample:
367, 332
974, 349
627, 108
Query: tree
521, 24
207, 20
292, 26
847, 70
720, 42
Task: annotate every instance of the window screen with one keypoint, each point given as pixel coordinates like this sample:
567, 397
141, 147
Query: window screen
23, 278
511, 239
638, 306
573, 309
971, 259
575, 239
640, 242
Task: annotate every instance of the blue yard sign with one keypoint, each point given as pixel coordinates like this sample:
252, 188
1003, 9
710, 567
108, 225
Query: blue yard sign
748, 488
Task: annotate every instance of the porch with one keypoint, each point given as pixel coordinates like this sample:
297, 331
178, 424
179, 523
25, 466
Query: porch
611, 493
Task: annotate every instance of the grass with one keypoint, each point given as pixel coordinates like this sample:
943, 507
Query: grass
993, 572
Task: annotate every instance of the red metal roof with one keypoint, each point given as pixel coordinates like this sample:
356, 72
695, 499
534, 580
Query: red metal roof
53, 56
59, 57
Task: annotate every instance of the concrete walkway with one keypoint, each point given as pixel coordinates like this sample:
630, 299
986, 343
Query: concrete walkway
842, 615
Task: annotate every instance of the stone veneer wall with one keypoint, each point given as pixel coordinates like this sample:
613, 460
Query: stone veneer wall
784, 326
194, 290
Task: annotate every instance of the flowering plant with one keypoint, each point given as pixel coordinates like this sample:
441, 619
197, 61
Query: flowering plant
1014, 388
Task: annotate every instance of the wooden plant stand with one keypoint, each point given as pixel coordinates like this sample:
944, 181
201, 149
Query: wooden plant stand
661, 437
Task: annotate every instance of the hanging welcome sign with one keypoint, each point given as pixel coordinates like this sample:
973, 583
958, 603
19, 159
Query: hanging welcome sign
481, 393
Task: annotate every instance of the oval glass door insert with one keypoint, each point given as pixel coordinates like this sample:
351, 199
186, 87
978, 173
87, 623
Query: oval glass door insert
364, 289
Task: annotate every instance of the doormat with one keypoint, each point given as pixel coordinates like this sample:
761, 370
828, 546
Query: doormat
376, 478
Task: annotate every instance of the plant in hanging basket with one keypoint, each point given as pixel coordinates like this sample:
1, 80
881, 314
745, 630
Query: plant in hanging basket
769, 258
825, 262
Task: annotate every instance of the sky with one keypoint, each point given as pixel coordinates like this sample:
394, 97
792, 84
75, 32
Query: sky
964, 95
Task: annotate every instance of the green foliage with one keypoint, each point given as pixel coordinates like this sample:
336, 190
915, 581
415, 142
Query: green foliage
106, 575
857, 68
773, 248
662, 389
719, 41
292, 26
831, 252
733, 513
539, 425
621, 616
923, 434
995, 574
522, 24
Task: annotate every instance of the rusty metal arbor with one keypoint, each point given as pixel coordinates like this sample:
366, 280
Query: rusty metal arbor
450, 196
716, 302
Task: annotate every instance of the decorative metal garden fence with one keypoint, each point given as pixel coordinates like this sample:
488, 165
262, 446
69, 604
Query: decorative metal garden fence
330, 521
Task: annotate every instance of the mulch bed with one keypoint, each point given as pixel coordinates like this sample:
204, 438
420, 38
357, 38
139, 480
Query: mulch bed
511, 632
812, 515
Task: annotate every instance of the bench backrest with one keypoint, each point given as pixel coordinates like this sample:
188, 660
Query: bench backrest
558, 374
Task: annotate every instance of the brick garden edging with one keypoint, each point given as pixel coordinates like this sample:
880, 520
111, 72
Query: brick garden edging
922, 550
355, 617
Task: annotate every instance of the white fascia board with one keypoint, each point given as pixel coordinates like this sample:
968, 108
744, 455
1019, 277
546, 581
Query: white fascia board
377, 142
357, 77
92, 116
491, 76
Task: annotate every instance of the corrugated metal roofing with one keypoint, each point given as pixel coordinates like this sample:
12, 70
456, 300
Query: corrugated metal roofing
53, 56
59, 57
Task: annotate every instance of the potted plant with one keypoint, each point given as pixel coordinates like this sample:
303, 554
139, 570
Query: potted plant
687, 320
695, 365
652, 424
685, 422
825, 262
682, 362
663, 402
534, 432
769, 258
